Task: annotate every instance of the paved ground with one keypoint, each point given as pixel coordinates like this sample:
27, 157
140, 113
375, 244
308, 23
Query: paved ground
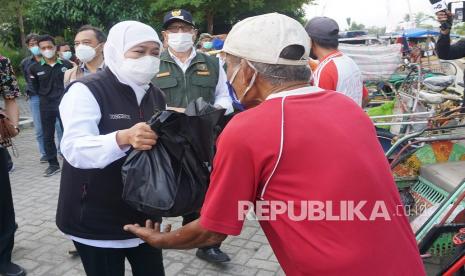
42, 249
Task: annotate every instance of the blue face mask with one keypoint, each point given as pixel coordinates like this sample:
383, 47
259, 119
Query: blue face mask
67, 55
35, 50
232, 93
235, 102
208, 45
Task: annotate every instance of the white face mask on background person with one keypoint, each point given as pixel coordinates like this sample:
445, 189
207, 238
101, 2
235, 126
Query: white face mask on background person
35, 50
85, 53
67, 55
141, 70
48, 53
180, 42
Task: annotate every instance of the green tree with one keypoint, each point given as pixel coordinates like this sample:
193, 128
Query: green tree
376, 31
63, 17
221, 12
407, 17
421, 17
12, 21
356, 27
348, 20
459, 29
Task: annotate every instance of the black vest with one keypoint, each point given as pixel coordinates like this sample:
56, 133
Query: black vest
90, 204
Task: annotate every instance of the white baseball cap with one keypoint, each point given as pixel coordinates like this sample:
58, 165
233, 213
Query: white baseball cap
262, 39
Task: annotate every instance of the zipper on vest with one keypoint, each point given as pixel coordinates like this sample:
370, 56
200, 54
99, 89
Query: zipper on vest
185, 87
141, 110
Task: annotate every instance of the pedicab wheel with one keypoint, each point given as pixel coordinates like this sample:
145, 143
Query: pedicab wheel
448, 68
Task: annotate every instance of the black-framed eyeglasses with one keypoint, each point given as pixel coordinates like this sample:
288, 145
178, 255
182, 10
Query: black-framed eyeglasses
177, 28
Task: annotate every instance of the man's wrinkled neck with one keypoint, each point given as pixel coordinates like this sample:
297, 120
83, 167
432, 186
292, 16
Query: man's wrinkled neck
322, 53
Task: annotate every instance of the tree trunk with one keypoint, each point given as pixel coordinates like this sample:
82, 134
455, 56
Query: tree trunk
19, 15
210, 18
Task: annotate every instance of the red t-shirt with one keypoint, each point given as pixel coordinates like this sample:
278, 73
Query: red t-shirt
330, 152
338, 72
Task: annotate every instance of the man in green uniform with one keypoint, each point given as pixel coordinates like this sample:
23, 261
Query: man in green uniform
186, 75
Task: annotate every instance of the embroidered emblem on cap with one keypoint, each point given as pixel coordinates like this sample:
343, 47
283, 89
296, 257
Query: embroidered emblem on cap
176, 13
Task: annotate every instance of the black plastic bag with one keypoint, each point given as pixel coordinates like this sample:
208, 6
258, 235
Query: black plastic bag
172, 178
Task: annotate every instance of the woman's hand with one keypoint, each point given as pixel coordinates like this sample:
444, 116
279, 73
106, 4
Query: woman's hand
140, 137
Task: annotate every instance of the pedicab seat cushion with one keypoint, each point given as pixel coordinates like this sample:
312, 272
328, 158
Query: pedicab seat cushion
444, 175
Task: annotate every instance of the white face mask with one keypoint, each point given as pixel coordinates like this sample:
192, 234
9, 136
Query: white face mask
180, 42
85, 53
48, 53
141, 70
252, 81
67, 55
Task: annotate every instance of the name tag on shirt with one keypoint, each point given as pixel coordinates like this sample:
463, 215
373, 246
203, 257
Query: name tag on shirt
203, 73
164, 74
40, 73
120, 117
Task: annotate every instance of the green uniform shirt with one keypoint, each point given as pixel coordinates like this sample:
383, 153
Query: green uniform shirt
199, 80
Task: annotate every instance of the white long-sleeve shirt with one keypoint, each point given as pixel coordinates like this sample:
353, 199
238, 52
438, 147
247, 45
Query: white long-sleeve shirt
84, 148
222, 97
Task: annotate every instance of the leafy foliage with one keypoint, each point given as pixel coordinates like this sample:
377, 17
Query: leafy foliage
64, 17
61, 18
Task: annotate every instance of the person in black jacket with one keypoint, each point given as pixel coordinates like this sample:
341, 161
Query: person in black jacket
444, 48
104, 116
47, 79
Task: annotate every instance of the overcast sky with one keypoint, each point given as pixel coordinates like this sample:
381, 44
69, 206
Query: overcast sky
368, 12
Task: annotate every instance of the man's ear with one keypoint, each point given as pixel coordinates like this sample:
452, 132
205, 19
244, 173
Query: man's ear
194, 37
165, 35
103, 46
246, 72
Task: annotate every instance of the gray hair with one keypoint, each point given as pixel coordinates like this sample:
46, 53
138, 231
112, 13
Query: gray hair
277, 74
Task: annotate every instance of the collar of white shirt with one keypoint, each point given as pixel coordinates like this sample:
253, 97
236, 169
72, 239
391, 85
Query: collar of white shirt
183, 65
295, 92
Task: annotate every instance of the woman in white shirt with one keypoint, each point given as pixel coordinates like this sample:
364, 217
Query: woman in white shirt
104, 117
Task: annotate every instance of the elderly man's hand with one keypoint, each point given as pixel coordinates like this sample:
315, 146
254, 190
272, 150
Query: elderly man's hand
140, 137
150, 233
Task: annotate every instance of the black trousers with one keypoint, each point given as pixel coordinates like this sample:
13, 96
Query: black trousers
48, 118
7, 213
144, 259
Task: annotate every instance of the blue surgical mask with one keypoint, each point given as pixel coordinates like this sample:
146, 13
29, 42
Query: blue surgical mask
67, 55
235, 102
35, 50
208, 45
232, 93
